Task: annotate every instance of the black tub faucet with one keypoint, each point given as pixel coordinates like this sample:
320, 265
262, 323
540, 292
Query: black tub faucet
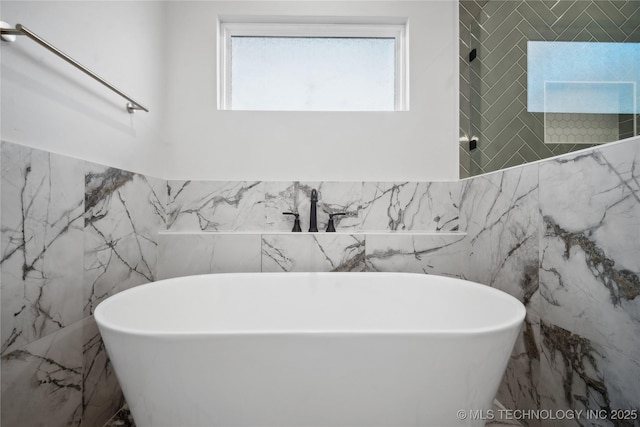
296, 221
313, 220
331, 228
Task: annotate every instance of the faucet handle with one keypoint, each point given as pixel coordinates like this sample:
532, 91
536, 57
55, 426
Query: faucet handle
296, 221
330, 226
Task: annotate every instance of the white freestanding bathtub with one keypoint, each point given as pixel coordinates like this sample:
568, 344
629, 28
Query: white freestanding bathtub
309, 349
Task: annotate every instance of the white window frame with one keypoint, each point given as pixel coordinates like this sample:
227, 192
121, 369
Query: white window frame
397, 31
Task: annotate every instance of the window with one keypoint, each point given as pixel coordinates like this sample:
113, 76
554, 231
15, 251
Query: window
313, 67
588, 91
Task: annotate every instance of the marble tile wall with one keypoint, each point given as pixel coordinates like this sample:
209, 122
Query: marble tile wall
258, 206
42, 232
590, 279
240, 226
123, 213
186, 254
500, 213
73, 233
563, 235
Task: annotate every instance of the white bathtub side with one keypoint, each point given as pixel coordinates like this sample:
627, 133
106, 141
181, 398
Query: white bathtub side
309, 302
321, 380
313, 375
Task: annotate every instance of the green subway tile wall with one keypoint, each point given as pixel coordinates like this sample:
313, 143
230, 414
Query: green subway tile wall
493, 88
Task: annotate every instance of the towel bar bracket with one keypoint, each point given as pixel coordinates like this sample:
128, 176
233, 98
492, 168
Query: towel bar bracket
8, 34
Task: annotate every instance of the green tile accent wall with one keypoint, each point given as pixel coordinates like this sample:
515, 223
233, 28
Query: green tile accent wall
493, 88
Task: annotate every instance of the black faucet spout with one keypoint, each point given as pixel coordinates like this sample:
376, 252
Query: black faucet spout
313, 220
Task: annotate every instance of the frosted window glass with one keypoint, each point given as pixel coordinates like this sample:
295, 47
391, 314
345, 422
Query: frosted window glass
312, 73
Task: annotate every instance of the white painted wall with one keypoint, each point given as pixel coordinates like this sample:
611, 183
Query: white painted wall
206, 143
50, 105
164, 53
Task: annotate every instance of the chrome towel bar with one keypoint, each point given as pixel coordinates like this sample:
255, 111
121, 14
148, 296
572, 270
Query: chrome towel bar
21, 30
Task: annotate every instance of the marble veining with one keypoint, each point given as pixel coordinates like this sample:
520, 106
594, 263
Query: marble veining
72, 234
42, 207
590, 251
258, 206
186, 254
577, 373
124, 211
215, 205
622, 284
430, 254
603, 226
101, 394
589, 278
561, 235
500, 213
413, 206
599, 197
42, 382
574, 357
313, 252
100, 186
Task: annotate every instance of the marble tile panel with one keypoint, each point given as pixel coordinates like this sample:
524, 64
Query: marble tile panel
312, 252
215, 206
42, 382
580, 301
416, 253
520, 385
578, 374
42, 208
590, 246
123, 213
189, 254
295, 196
500, 214
410, 206
597, 193
101, 394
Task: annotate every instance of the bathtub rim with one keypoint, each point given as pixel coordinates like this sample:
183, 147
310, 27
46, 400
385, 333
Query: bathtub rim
515, 321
